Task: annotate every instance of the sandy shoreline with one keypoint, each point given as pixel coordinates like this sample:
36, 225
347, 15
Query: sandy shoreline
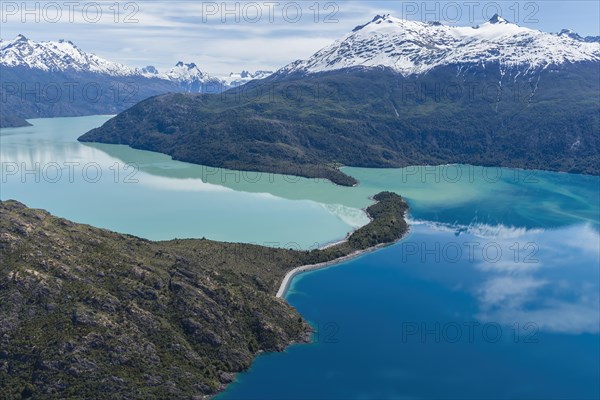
285, 284
287, 280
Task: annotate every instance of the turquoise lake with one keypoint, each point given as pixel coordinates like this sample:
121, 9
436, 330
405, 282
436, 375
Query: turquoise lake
495, 293
149, 195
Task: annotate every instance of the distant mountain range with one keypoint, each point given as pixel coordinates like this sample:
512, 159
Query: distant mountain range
394, 93
49, 79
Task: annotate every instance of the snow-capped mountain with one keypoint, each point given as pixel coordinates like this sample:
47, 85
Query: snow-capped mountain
413, 48
576, 36
240, 78
193, 80
57, 56
188, 73
27, 65
65, 56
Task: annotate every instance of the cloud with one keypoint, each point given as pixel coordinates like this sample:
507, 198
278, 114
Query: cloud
558, 293
509, 291
162, 33
165, 32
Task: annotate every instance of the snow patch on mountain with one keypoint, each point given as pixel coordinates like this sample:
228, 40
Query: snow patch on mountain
186, 73
57, 56
413, 47
64, 56
240, 78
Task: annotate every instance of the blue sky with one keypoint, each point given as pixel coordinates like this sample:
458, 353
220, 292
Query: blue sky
222, 37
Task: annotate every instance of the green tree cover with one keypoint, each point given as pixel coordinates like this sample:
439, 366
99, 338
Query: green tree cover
87, 313
309, 125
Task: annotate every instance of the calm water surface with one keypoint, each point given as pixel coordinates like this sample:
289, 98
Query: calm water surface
149, 195
494, 294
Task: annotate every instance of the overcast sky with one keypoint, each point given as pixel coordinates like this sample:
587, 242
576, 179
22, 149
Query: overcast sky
222, 37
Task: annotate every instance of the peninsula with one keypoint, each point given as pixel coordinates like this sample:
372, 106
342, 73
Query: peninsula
89, 311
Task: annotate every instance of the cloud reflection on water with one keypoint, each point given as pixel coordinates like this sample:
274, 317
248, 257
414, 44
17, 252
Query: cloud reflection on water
556, 287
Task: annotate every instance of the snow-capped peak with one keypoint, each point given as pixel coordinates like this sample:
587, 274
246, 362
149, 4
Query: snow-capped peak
377, 18
576, 36
413, 47
497, 19
239, 78
150, 70
64, 56
186, 73
57, 56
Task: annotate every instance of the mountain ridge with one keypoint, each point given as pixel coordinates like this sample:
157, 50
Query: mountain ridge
64, 55
414, 47
58, 79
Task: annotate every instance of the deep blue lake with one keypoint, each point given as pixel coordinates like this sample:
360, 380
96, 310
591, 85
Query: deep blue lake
495, 297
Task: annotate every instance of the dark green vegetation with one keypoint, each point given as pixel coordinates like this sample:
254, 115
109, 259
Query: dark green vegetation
387, 225
87, 313
11, 121
308, 125
32, 93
